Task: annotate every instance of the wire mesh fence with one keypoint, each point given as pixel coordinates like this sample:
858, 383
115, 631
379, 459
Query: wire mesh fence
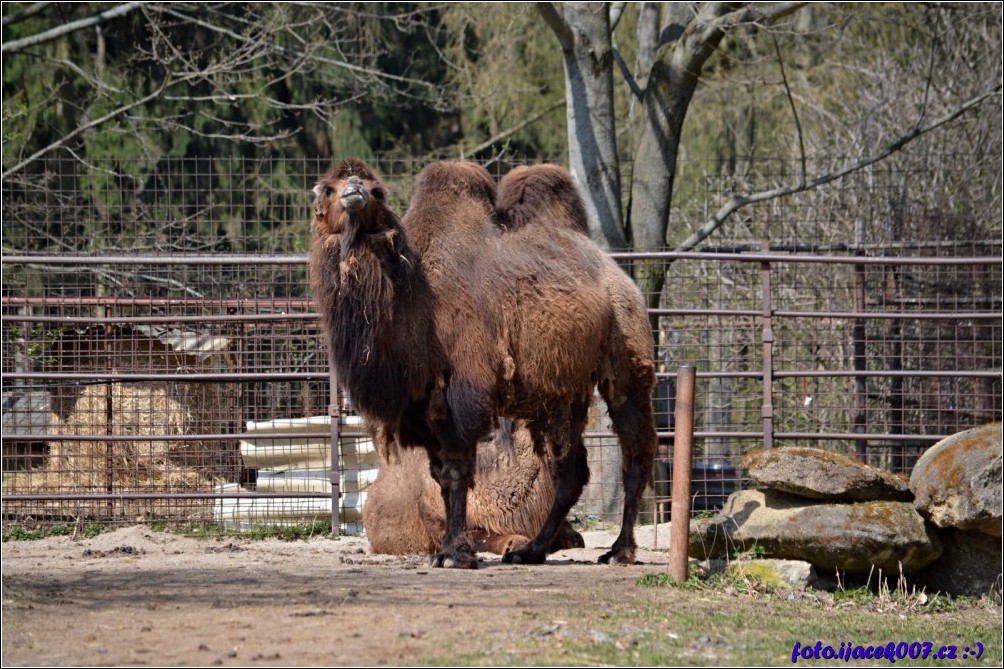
162, 359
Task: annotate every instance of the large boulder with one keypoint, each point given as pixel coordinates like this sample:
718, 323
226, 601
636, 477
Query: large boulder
969, 565
850, 537
818, 474
957, 482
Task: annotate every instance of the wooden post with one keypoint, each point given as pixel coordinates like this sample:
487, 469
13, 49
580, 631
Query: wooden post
334, 411
683, 449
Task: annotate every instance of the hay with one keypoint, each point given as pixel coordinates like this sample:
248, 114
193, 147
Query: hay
144, 466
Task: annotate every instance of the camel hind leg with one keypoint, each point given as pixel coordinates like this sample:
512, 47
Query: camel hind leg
635, 429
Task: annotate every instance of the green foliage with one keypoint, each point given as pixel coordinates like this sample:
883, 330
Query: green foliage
88, 531
244, 87
507, 68
859, 595
754, 552
662, 580
292, 532
39, 344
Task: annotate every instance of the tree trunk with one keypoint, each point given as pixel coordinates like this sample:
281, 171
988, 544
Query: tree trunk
584, 32
672, 81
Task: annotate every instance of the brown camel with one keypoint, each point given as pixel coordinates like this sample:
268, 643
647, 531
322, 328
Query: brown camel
437, 330
536, 200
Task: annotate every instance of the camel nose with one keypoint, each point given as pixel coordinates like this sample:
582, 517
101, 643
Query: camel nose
353, 193
352, 186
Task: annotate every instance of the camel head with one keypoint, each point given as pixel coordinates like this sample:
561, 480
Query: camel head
349, 201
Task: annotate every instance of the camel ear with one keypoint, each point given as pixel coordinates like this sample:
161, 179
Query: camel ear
322, 189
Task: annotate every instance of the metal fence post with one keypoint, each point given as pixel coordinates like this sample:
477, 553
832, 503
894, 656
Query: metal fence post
683, 449
335, 475
767, 412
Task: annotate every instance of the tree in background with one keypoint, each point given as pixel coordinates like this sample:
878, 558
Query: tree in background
168, 74
97, 98
904, 72
643, 85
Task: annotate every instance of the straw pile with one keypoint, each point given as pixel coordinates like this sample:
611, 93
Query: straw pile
146, 466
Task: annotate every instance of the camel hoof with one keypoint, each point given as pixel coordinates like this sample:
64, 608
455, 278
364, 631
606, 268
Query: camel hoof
524, 556
515, 543
458, 560
618, 556
566, 538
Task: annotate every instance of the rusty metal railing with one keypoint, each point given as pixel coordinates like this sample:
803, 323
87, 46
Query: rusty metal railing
258, 327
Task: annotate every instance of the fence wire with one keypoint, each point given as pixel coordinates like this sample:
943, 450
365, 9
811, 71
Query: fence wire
162, 360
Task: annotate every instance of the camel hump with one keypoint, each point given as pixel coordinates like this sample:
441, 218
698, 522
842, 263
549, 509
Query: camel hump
540, 194
458, 178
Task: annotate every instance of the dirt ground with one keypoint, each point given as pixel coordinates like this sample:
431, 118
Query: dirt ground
141, 597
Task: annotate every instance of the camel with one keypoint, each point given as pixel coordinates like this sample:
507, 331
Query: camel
442, 321
541, 198
512, 495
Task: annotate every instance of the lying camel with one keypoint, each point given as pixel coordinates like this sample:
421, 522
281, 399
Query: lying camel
513, 492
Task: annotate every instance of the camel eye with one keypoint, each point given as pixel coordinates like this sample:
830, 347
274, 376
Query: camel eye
380, 193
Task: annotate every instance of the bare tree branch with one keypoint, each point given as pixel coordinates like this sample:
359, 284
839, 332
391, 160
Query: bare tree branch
85, 127
626, 73
516, 128
737, 202
283, 50
557, 24
67, 28
757, 13
21, 16
616, 12
794, 111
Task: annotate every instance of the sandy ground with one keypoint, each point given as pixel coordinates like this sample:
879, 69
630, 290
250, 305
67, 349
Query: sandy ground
141, 597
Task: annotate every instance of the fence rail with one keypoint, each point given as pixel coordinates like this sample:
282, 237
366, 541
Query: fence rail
161, 357
127, 395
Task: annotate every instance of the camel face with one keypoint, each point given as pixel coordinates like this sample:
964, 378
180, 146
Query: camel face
349, 201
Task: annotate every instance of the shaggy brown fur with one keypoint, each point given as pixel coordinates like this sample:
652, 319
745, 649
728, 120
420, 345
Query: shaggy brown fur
541, 200
540, 194
436, 330
512, 495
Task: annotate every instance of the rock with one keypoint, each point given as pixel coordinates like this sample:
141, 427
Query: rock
778, 574
970, 565
818, 474
957, 482
849, 537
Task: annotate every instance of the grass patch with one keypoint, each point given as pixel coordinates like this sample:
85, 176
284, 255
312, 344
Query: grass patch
664, 623
292, 532
21, 533
663, 580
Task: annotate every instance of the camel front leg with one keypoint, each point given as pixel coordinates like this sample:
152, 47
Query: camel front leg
459, 418
456, 477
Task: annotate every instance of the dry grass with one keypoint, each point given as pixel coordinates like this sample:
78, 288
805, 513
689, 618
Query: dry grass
128, 466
